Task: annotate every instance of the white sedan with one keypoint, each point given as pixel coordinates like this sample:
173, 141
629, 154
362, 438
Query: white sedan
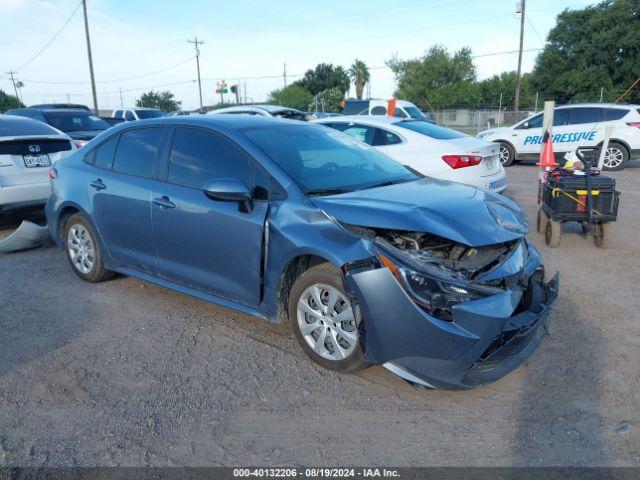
430, 149
28, 148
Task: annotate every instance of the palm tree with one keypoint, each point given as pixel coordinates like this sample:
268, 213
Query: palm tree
359, 73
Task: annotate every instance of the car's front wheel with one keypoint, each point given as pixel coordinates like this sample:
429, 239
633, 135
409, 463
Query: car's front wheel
324, 320
83, 250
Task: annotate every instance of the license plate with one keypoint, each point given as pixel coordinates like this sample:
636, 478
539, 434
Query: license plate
33, 161
491, 163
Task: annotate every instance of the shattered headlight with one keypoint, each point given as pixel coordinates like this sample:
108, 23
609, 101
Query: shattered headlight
432, 292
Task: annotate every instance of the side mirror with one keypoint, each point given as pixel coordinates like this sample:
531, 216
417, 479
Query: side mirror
229, 190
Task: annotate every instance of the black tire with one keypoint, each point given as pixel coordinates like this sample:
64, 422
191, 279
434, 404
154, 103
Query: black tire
507, 154
541, 221
552, 233
327, 275
621, 155
601, 234
97, 272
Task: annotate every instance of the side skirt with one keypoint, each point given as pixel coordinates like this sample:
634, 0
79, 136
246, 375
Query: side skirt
194, 293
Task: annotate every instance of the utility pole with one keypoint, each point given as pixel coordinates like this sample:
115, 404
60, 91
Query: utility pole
196, 44
68, 98
516, 100
245, 92
120, 90
13, 80
93, 80
284, 75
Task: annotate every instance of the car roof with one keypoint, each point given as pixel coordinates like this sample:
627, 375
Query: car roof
232, 122
267, 108
599, 105
371, 119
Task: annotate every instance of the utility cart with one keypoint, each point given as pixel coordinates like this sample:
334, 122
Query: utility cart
588, 199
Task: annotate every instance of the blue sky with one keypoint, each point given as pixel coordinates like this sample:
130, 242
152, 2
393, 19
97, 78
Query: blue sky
245, 39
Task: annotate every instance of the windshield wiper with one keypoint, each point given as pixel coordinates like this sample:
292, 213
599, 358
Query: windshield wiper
389, 182
326, 191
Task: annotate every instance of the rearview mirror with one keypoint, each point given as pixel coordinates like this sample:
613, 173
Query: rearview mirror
229, 190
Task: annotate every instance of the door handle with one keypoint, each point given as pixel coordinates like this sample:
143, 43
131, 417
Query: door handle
98, 184
164, 202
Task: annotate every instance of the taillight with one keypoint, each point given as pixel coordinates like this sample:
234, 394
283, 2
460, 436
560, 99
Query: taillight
53, 174
634, 124
461, 161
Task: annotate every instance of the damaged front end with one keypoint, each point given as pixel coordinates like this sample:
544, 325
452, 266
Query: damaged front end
441, 313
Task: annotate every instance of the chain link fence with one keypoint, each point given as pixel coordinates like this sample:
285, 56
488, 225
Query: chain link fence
474, 121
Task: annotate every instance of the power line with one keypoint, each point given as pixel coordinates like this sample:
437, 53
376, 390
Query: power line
534, 29
52, 39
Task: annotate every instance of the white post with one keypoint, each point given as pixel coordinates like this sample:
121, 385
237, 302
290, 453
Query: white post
605, 144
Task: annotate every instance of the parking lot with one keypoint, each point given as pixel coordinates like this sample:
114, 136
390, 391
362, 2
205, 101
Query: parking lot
127, 373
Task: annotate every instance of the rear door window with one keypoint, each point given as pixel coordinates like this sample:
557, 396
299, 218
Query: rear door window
198, 156
585, 115
361, 132
136, 151
378, 110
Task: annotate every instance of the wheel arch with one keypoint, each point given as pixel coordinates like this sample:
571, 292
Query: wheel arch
295, 267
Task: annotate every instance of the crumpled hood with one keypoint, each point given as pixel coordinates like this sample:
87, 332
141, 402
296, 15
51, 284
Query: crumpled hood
461, 213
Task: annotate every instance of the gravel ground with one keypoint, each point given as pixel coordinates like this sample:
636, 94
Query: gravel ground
127, 373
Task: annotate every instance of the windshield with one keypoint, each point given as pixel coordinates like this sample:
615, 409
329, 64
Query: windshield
323, 161
430, 129
148, 114
414, 112
75, 121
16, 126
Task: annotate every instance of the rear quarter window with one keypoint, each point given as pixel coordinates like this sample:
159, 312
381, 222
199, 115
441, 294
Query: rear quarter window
611, 114
430, 130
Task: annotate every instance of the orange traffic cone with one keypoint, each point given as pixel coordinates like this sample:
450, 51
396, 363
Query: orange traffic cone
547, 159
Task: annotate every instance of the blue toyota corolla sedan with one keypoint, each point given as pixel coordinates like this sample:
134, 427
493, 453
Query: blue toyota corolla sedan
370, 262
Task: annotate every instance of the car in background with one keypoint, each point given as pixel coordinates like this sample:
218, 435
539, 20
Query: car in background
178, 113
132, 114
576, 125
80, 124
60, 105
404, 109
28, 149
367, 260
432, 150
262, 111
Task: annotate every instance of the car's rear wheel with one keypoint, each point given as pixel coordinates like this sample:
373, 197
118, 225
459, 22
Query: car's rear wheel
615, 157
324, 320
83, 250
507, 154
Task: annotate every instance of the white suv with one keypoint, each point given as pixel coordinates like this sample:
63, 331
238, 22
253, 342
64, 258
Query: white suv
573, 126
132, 114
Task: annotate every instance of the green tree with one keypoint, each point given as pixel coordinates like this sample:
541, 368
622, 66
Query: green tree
327, 101
323, 77
437, 79
292, 96
162, 100
9, 101
589, 49
359, 74
505, 84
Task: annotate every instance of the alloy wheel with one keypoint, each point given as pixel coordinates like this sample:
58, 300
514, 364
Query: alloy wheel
81, 248
327, 322
504, 154
613, 157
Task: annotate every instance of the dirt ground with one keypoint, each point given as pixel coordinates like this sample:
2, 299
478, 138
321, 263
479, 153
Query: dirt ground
127, 373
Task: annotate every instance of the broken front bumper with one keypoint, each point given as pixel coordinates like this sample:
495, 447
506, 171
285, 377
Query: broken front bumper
487, 338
